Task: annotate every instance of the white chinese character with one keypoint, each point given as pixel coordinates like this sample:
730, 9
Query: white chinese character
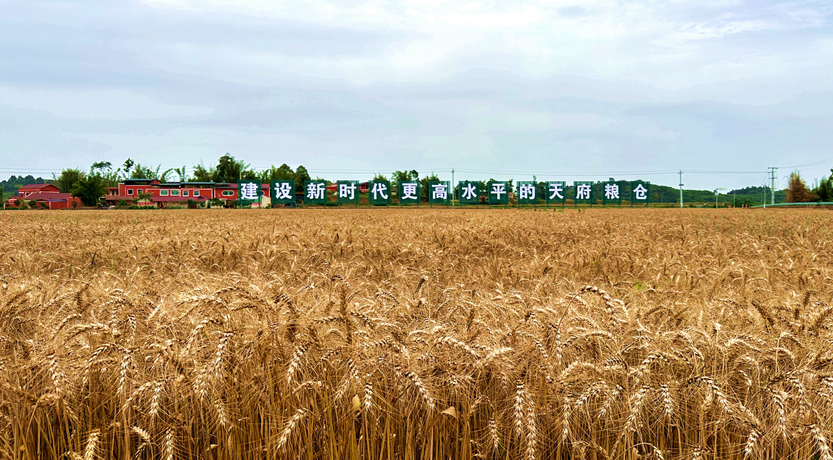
379, 191
248, 191
409, 191
347, 190
583, 191
283, 191
640, 192
468, 191
498, 189
527, 191
439, 192
611, 191
316, 191
556, 190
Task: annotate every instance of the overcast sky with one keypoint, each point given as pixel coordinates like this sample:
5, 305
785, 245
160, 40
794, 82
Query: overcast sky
567, 90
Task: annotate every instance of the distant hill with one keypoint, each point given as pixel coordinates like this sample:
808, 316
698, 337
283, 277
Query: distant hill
13, 183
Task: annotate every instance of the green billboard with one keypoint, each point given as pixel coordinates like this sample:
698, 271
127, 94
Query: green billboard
408, 192
612, 193
498, 192
439, 192
584, 192
347, 192
527, 192
556, 192
640, 192
379, 193
315, 192
248, 193
469, 192
282, 191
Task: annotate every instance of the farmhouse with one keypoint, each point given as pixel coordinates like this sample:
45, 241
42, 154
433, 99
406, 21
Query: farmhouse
161, 194
46, 196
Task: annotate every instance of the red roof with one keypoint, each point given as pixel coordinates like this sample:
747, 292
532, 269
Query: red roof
36, 187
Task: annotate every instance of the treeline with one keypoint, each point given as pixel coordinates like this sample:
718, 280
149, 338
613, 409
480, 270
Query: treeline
91, 185
10, 185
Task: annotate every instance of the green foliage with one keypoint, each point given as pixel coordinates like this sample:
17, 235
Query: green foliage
301, 175
68, 179
229, 170
825, 188
144, 172
282, 172
202, 174
13, 183
405, 176
423, 184
90, 189
182, 173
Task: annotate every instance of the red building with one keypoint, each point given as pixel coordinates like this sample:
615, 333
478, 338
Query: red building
46, 196
154, 192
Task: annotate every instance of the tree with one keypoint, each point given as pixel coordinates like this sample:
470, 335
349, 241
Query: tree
825, 188
68, 179
144, 172
231, 170
798, 193
128, 163
380, 177
301, 175
201, 174
405, 176
183, 175
282, 172
90, 189
101, 167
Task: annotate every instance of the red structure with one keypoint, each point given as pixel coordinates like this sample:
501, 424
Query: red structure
45, 196
160, 194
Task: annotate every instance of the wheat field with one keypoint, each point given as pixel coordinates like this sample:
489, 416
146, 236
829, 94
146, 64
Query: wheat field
416, 334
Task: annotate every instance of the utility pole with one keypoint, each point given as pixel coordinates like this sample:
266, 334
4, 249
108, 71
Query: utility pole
681, 188
772, 170
452, 187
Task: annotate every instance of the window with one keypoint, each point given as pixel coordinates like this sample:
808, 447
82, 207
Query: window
196, 193
174, 192
185, 193
228, 192
130, 191
163, 193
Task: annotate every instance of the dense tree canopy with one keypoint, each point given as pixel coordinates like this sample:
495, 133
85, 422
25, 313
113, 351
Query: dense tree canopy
67, 180
90, 189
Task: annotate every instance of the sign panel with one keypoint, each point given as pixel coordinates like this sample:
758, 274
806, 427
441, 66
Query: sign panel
640, 192
439, 192
527, 192
556, 192
347, 192
498, 192
315, 192
469, 192
379, 193
584, 192
408, 192
248, 192
612, 193
282, 191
